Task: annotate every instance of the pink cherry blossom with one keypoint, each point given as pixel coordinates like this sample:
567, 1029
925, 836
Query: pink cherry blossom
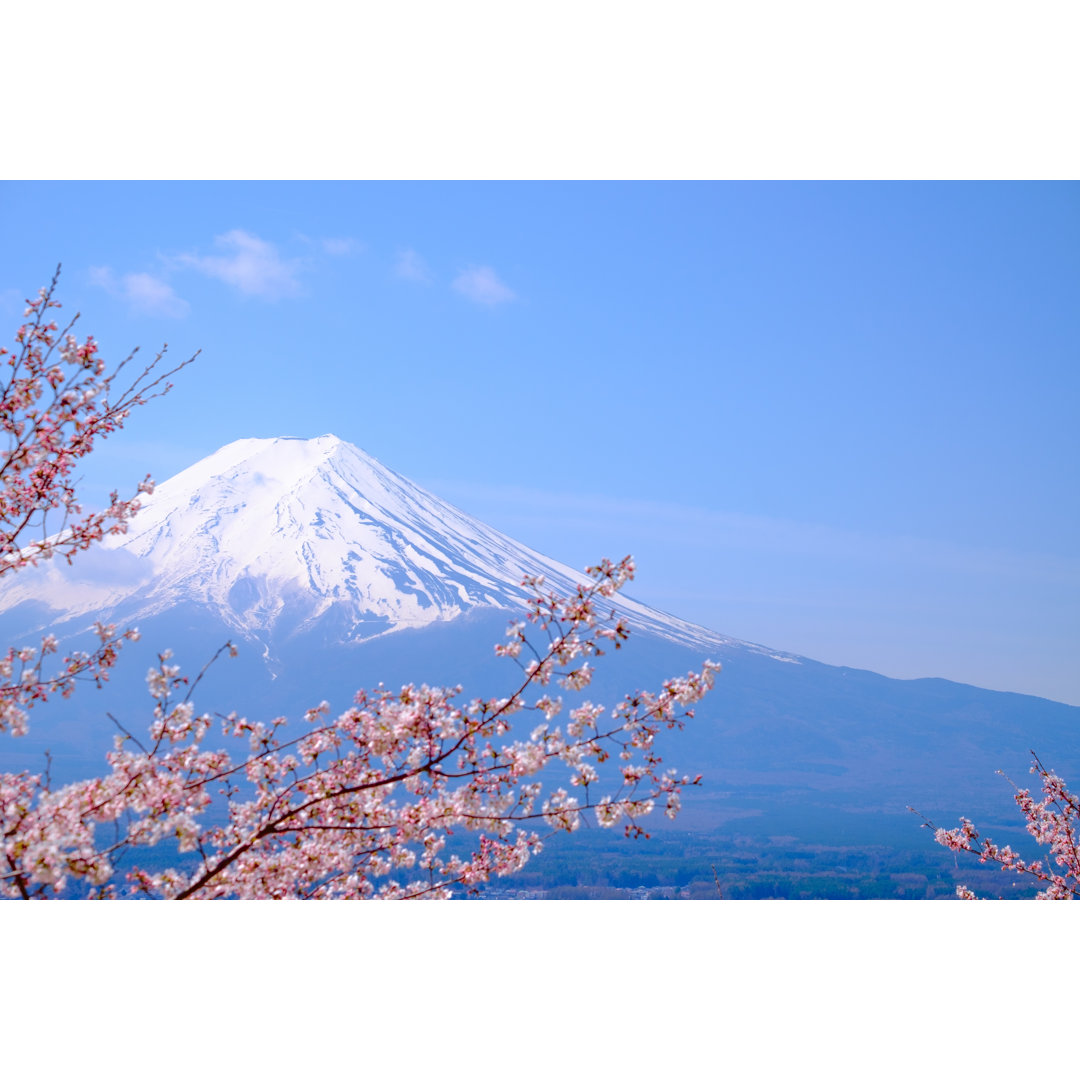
56, 401
361, 805
1054, 822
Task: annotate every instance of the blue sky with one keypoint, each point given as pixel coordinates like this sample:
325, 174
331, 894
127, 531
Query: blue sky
836, 418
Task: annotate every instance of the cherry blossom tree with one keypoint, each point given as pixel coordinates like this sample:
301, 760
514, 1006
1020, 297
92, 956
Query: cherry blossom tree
57, 399
357, 806
1052, 820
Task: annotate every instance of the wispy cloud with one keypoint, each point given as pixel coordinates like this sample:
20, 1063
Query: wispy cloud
411, 266
715, 531
151, 295
144, 293
340, 245
11, 301
249, 264
482, 285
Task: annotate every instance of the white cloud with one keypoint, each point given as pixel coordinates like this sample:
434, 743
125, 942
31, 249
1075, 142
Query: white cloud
103, 277
411, 266
339, 245
482, 285
152, 296
144, 293
12, 301
251, 265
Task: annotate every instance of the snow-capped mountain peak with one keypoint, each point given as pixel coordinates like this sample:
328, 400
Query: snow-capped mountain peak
282, 530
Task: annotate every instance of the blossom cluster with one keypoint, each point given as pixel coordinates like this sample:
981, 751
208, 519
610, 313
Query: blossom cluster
57, 398
361, 805
1052, 820
24, 682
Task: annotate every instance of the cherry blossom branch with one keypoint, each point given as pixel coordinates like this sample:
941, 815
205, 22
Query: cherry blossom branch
321, 819
24, 686
56, 400
1052, 821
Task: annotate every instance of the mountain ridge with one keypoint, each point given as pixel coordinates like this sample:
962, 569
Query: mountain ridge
268, 541
288, 529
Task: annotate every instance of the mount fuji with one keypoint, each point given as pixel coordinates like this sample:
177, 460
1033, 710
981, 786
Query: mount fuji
332, 572
276, 537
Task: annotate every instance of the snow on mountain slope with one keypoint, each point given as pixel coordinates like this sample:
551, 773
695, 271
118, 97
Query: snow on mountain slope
281, 531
